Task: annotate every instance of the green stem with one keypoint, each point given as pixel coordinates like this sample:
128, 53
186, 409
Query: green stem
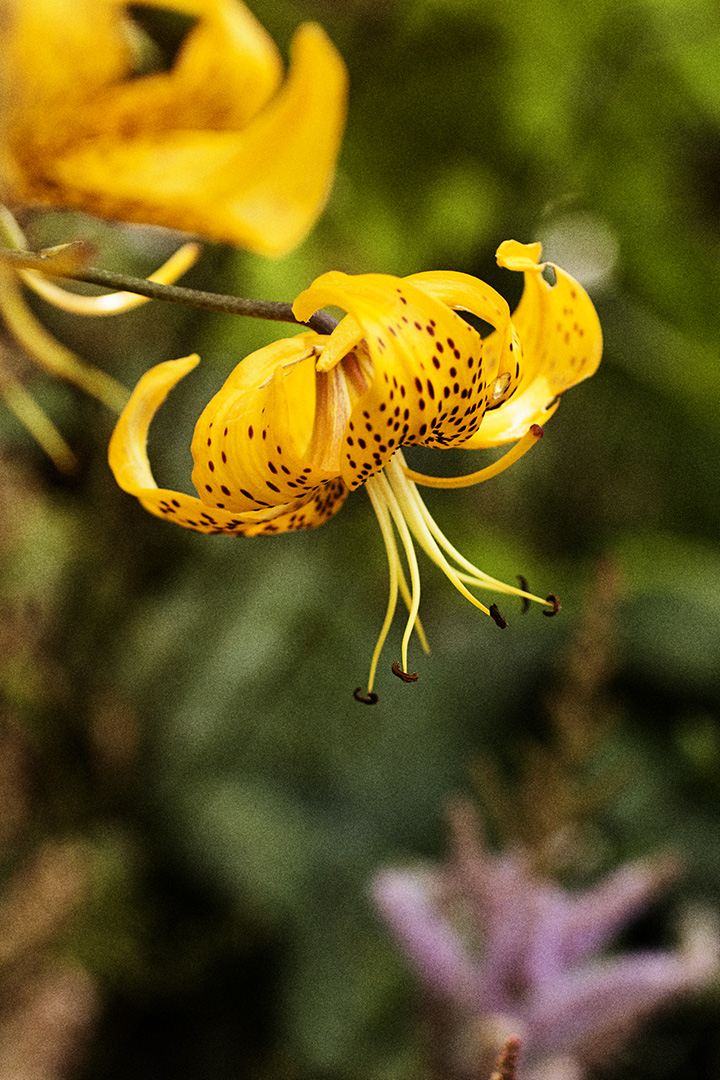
276, 311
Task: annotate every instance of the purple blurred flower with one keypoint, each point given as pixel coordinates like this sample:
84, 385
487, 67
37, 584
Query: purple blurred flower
513, 953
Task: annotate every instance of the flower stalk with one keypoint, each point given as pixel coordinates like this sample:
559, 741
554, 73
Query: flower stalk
55, 263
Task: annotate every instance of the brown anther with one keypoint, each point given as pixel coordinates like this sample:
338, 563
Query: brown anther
523, 582
404, 675
497, 618
556, 605
537, 431
367, 699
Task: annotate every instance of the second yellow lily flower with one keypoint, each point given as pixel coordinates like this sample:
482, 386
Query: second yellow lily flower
217, 145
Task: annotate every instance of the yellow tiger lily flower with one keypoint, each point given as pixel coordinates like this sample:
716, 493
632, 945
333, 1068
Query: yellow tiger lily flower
304, 421
215, 146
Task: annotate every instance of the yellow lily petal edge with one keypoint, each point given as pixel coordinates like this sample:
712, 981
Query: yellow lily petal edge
128, 460
561, 338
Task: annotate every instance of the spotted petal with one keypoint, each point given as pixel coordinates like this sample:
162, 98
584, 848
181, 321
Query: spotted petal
130, 465
250, 447
561, 340
428, 384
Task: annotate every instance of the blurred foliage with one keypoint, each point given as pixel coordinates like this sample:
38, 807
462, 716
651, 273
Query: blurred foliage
184, 703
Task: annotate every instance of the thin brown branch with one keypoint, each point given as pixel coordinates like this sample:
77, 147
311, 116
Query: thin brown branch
68, 261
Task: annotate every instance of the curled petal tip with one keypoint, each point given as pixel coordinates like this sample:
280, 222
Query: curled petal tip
127, 453
512, 255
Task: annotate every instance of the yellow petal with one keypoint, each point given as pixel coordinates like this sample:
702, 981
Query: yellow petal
211, 147
129, 462
428, 385
516, 256
226, 71
561, 340
346, 335
127, 453
465, 293
58, 55
250, 444
72, 59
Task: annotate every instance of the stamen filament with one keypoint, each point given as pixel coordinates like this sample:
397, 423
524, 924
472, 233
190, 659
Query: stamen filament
521, 447
474, 576
381, 512
398, 580
111, 303
37, 423
402, 528
405, 593
408, 500
50, 354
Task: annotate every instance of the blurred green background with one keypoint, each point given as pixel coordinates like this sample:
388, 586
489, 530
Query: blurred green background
181, 706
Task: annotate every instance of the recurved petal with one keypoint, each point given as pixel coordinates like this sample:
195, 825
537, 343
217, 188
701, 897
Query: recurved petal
502, 364
68, 76
127, 453
280, 182
226, 71
261, 187
428, 383
561, 341
250, 441
130, 465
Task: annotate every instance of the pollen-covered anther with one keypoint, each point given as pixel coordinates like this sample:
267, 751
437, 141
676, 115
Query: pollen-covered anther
366, 699
406, 676
551, 598
499, 619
